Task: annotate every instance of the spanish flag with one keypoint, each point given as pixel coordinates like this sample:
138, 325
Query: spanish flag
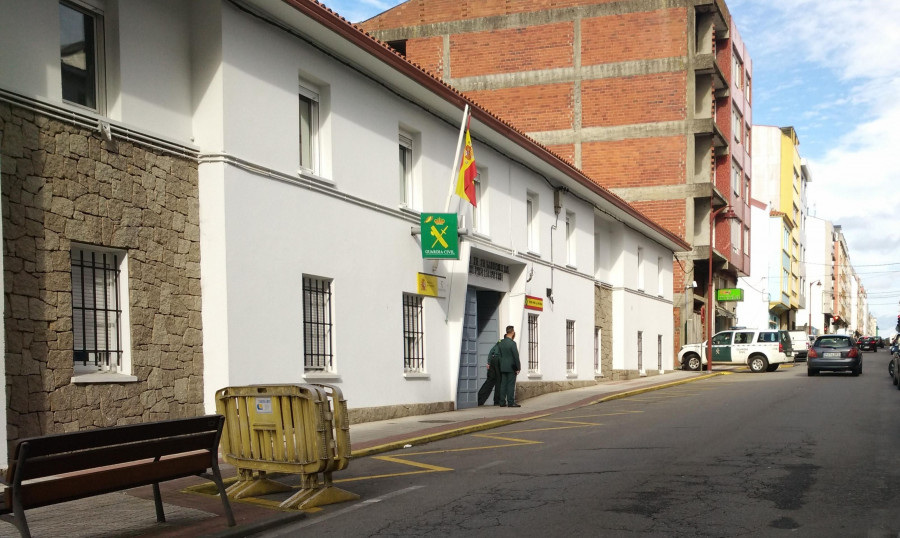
465, 183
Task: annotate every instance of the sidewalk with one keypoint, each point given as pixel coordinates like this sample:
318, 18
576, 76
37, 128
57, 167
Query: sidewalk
190, 514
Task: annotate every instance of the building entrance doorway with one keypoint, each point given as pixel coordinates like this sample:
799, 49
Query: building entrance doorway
481, 330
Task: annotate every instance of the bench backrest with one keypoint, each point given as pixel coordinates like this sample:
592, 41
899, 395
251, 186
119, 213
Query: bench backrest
77, 451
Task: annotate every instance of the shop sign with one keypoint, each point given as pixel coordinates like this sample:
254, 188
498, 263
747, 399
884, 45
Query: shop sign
730, 294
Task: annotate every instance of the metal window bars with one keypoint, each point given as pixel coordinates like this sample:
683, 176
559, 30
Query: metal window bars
96, 309
413, 334
640, 351
317, 324
570, 345
533, 360
659, 344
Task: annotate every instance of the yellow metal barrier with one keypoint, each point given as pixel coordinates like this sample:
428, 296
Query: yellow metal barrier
295, 429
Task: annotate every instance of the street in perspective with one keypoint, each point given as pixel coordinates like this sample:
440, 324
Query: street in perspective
740, 454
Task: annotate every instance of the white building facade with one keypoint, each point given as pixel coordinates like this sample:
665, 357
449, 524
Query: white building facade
248, 179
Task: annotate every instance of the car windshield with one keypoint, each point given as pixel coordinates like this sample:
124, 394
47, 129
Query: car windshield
833, 342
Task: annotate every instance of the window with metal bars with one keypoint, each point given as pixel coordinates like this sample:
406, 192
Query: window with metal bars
534, 364
413, 334
640, 351
570, 346
96, 310
659, 343
318, 353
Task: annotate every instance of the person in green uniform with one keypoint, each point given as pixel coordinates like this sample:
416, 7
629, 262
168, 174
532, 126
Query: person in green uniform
492, 383
509, 368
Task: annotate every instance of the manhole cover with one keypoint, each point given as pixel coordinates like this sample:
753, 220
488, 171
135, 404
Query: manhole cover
436, 421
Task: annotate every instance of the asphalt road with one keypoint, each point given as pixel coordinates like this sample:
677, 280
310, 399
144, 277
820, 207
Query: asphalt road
771, 454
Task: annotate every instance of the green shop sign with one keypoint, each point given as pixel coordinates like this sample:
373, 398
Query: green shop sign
440, 238
730, 294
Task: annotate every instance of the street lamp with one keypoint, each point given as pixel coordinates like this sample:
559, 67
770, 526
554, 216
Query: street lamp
809, 304
710, 300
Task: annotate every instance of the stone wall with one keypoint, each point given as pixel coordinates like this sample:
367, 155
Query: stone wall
603, 319
63, 184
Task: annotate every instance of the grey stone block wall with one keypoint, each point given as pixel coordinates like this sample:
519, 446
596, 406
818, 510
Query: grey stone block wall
603, 319
64, 184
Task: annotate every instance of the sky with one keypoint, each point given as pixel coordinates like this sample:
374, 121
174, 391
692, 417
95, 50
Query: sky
829, 69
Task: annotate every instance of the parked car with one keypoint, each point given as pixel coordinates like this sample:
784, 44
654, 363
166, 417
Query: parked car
799, 343
894, 363
834, 353
868, 343
761, 350
881, 341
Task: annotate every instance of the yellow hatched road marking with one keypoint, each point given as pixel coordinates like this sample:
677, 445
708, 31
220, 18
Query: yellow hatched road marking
511, 441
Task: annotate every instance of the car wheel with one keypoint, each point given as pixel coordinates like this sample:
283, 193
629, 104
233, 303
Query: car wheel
891, 370
857, 371
692, 362
758, 363
772, 368
810, 372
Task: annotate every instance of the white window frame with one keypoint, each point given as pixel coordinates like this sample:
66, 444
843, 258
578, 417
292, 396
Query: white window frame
111, 266
532, 222
533, 341
309, 129
571, 251
413, 334
737, 125
737, 69
98, 58
641, 284
318, 324
659, 352
660, 277
570, 347
737, 176
640, 352
407, 194
480, 221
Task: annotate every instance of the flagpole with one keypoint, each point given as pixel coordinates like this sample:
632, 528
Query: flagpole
454, 170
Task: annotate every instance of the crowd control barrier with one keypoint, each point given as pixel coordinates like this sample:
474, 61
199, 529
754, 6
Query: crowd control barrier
294, 429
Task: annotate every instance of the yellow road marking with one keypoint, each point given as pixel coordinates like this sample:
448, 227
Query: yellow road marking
513, 441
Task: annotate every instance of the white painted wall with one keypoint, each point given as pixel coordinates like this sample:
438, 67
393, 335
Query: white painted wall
753, 311
206, 73
154, 67
29, 37
277, 230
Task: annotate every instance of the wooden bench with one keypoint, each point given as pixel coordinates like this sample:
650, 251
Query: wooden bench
64, 467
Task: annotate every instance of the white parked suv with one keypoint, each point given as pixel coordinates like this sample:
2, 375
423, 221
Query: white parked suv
760, 349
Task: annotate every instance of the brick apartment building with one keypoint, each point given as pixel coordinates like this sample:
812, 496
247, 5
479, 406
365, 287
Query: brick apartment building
651, 98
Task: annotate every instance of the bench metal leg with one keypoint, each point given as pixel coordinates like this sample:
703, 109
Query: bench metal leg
157, 499
18, 515
216, 477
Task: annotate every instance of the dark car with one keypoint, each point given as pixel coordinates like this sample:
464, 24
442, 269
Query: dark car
868, 343
834, 353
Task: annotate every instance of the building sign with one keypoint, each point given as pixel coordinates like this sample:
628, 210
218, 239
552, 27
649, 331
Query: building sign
431, 285
440, 238
730, 294
487, 268
534, 303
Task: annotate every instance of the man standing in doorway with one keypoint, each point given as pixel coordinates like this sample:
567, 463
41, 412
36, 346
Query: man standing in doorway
509, 368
